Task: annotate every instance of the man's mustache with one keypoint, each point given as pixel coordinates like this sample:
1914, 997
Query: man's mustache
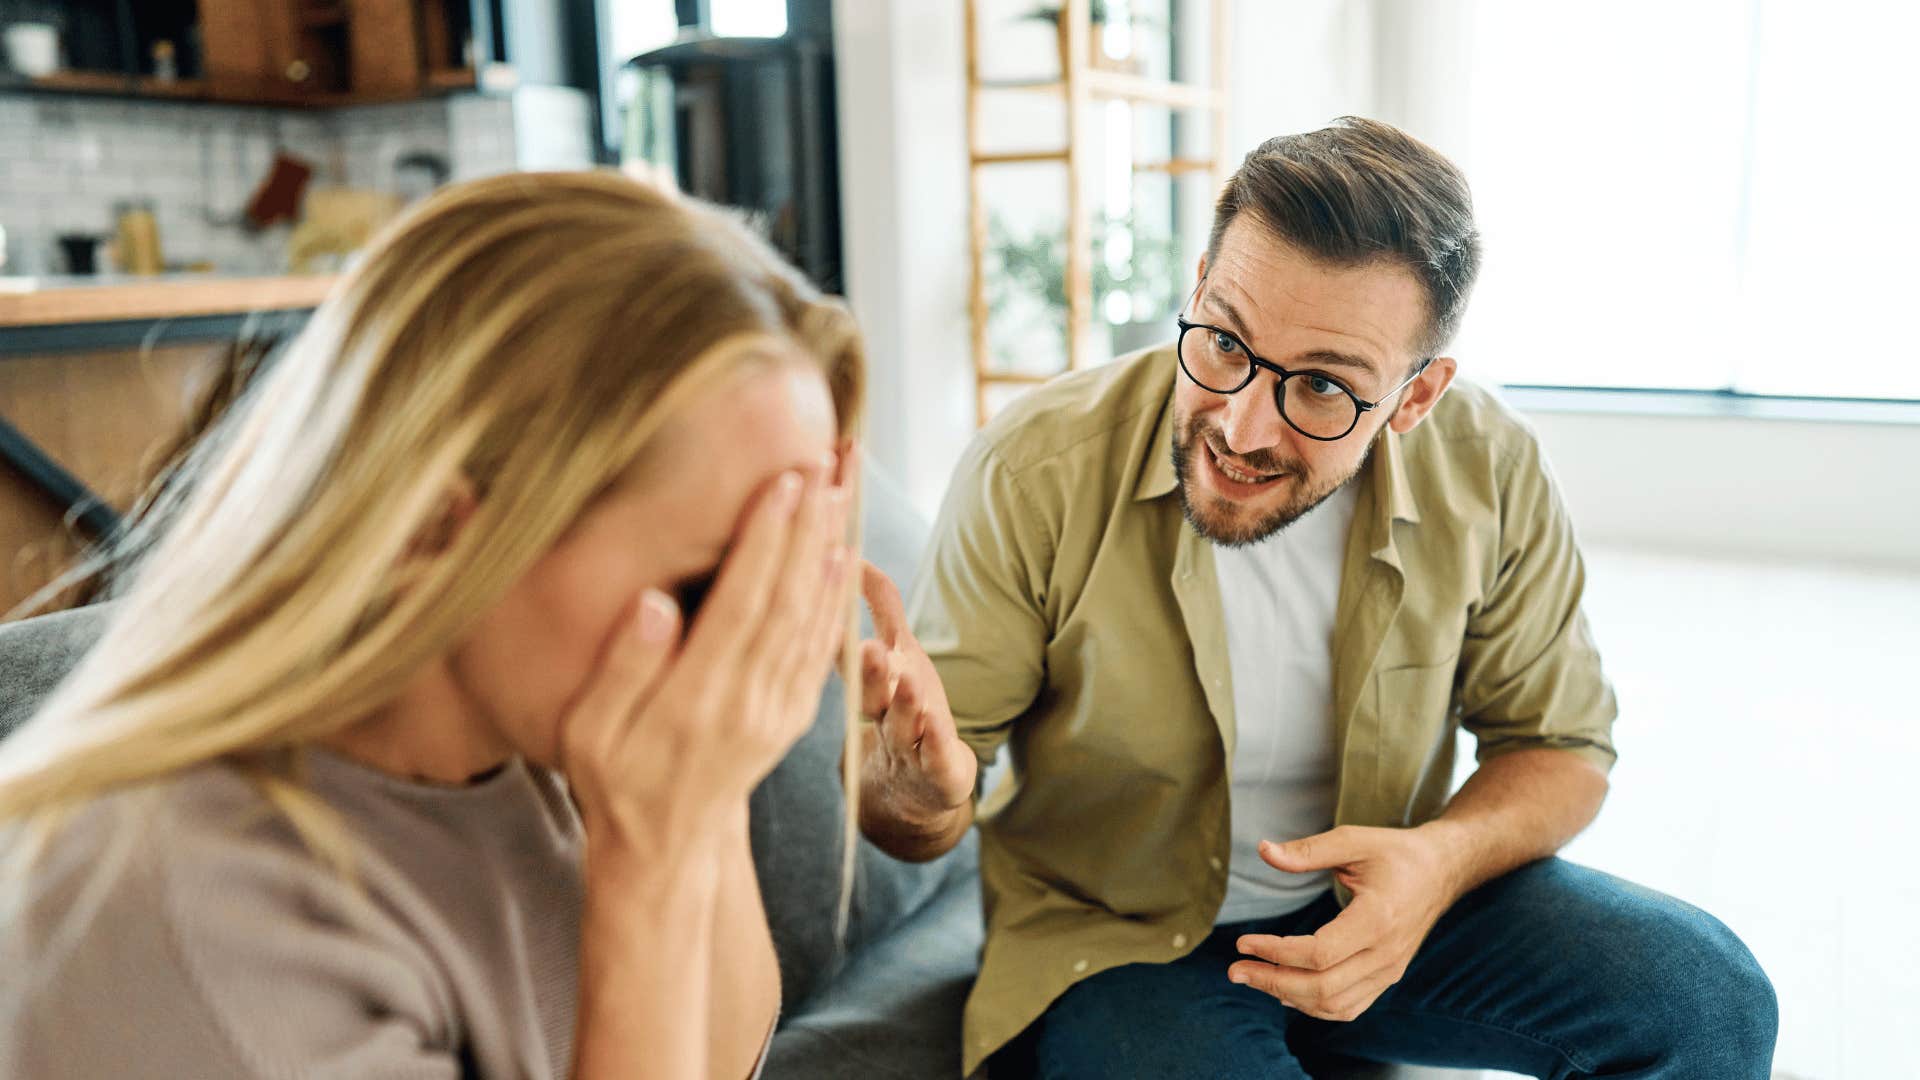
1263, 461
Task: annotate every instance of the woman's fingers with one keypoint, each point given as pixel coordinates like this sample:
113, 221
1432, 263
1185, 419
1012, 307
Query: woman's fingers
790, 640
631, 666
733, 612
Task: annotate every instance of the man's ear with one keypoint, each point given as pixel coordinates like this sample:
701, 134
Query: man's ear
438, 534
1200, 272
1423, 393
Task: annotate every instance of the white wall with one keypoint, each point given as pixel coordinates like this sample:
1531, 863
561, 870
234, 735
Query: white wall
1720, 485
903, 191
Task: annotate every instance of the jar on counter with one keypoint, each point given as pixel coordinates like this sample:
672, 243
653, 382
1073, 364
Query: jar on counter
137, 237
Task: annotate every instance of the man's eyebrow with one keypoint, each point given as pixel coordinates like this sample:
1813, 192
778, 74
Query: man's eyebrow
1327, 357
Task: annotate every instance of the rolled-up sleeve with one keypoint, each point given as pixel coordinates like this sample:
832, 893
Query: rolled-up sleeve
1530, 674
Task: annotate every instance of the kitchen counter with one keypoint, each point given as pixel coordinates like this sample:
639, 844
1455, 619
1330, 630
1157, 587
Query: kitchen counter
59, 301
100, 379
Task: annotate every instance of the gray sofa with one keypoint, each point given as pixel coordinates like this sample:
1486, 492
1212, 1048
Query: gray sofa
882, 1005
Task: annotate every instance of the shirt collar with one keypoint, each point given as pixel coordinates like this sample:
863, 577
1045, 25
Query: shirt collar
1156, 473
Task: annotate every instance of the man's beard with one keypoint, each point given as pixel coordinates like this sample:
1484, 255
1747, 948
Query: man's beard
1223, 529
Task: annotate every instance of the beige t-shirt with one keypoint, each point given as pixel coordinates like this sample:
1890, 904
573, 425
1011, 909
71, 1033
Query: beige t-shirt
223, 948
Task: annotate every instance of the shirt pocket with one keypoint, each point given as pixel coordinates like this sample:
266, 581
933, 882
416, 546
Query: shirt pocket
1419, 709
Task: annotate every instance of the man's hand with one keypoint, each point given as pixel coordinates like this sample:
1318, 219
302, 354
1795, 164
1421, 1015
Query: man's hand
1402, 881
917, 776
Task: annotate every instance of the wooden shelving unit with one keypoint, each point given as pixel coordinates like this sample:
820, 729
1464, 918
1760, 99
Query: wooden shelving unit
1080, 84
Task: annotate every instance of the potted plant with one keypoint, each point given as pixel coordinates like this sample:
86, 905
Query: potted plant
1026, 287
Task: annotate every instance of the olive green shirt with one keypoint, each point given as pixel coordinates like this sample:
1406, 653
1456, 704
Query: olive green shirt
1074, 615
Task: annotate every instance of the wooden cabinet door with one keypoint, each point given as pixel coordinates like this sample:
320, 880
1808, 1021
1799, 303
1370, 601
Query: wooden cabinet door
312, 51
238, 44
384, 48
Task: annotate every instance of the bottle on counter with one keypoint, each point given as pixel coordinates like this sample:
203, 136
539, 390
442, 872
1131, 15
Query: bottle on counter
137, 237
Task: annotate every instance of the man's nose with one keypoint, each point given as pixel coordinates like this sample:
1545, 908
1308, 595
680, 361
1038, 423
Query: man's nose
1252, 422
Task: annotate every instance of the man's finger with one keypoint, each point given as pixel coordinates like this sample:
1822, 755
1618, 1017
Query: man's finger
1348, 933
1322, 851
1313, 992
901, 724
883, 600
879, 676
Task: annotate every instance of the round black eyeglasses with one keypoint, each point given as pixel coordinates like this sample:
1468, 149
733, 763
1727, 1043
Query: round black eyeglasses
1312, 403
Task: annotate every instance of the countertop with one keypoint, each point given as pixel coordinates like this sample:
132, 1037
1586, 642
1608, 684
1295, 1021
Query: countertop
54, 301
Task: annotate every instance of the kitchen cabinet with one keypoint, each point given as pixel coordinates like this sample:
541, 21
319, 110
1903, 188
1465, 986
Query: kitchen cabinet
311, 51
282, 52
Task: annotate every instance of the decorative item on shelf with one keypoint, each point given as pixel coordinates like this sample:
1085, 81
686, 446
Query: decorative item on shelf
166, 67
33, 48
1100, 13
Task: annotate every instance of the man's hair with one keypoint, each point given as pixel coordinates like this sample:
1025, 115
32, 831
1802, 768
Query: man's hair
1357, 191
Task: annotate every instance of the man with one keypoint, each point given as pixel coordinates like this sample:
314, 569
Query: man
1226, 602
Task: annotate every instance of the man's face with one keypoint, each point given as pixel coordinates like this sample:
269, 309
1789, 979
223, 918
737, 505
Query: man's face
1244, 474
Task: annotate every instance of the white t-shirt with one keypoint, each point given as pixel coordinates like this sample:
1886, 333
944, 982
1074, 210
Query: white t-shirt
1279, 597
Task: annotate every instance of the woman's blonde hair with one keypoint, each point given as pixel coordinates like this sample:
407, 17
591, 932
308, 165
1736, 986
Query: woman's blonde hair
527, 334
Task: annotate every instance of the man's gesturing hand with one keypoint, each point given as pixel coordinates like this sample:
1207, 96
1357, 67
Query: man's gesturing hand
1402, 882
913, 762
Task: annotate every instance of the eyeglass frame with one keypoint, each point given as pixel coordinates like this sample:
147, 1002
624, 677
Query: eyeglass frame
1254, 363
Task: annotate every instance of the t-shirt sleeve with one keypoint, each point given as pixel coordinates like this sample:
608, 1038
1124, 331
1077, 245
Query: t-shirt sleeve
140, 953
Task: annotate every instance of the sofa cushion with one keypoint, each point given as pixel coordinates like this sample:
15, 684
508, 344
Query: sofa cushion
893, 1012
798, 812
35, 654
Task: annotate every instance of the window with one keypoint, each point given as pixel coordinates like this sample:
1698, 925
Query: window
1714, 195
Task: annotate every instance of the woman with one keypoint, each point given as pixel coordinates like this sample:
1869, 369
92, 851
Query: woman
420, 739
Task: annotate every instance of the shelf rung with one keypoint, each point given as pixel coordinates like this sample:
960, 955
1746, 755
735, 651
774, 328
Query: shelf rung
1023, 157
1015, 377
1175, 166
1050, 86
1113, 84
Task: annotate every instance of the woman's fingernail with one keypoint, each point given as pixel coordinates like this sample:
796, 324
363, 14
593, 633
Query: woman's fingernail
786, 493
1236, 975
657, 611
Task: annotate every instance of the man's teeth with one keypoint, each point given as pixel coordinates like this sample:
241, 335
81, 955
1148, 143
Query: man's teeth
1239, 476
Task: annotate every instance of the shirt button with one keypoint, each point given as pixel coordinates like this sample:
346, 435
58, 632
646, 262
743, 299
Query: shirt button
1079, 966
1214, 862
1179, 941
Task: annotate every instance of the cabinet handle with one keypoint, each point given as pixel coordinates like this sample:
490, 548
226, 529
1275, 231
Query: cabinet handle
299, 71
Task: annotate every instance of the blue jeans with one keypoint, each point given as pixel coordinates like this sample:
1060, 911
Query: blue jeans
1552, 971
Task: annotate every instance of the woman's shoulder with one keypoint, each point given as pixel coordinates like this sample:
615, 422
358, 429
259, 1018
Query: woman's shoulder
191, 908
159, 860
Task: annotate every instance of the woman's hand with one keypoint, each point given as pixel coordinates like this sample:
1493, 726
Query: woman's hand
669, 736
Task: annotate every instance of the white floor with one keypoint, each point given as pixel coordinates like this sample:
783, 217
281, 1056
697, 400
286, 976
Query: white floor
1770, 758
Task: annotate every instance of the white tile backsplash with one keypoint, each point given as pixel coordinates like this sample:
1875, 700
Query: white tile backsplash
64, 163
